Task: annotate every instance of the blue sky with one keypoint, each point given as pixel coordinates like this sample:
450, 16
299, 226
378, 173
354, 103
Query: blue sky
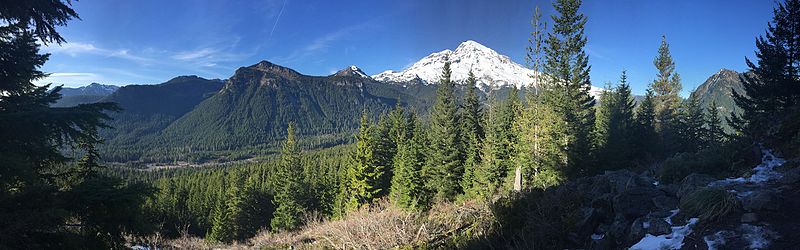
151, 41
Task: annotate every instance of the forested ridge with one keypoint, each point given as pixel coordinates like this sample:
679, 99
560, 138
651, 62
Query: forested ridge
517, 168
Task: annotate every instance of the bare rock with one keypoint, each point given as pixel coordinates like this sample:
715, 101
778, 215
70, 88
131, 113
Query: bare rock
761, 200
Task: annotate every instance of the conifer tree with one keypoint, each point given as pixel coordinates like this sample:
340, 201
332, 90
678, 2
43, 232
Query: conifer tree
384, 148
666, 89
407, 184
692, 128
567, 66
444, 168
499, 149
40, 189
363, 183
647, 141
715, 133
539, 153
773, 87
288, 198
229, 214
614, 126
220, 225
472, 132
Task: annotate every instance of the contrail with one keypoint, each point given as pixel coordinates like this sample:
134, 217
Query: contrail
277, 19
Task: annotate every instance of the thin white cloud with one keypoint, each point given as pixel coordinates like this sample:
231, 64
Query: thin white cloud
79, 48
192, 55
322, 43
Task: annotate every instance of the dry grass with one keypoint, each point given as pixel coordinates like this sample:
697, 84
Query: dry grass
383, 226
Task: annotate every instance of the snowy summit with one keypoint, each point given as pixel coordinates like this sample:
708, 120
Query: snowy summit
492, 70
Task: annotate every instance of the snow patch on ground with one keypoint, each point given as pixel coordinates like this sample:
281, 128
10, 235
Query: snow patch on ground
669, 218
717, 240
758, 236
764, 172
673, 240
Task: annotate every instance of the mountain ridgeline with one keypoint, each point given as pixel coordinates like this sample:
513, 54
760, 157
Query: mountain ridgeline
193, 119
258, 102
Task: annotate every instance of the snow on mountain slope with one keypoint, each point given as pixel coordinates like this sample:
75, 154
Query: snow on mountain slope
491, 69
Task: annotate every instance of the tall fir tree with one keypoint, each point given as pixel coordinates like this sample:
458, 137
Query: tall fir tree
407, 184
229, 214
472, 132
666, 89
444, 168
715, 133
42, 188
289, 200
538, 150
615, 122
384, 148
364, 173
774, 86
567, 67
499, 149
620, 135
647, 141
692, 126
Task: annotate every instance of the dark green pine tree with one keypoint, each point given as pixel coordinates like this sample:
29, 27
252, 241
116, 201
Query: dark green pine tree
614, 126
500, 147
289, 187
715, 134
384, 149
228, 214
472, 132
407, 183
603, 119
666, 89
364, 174
540, 157
620, 142
444, 168
692, 126
774, 86
646, 141
40, 190
567, 66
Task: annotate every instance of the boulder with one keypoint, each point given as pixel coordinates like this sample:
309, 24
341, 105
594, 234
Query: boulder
760, 200
636, 231
658, 226
587, 220
693, 182
665, 203
634, 203
669, 189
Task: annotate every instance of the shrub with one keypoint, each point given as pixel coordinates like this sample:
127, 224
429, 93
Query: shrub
709, 204
712, 161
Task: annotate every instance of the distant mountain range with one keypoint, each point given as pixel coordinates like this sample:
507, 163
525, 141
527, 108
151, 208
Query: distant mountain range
86, 94
197, 119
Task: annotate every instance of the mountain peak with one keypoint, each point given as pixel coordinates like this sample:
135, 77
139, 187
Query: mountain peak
352, 70
268, 67
470, 45
491, 69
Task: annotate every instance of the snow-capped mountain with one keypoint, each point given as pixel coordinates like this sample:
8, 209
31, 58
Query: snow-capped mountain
491, 69
91, 89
